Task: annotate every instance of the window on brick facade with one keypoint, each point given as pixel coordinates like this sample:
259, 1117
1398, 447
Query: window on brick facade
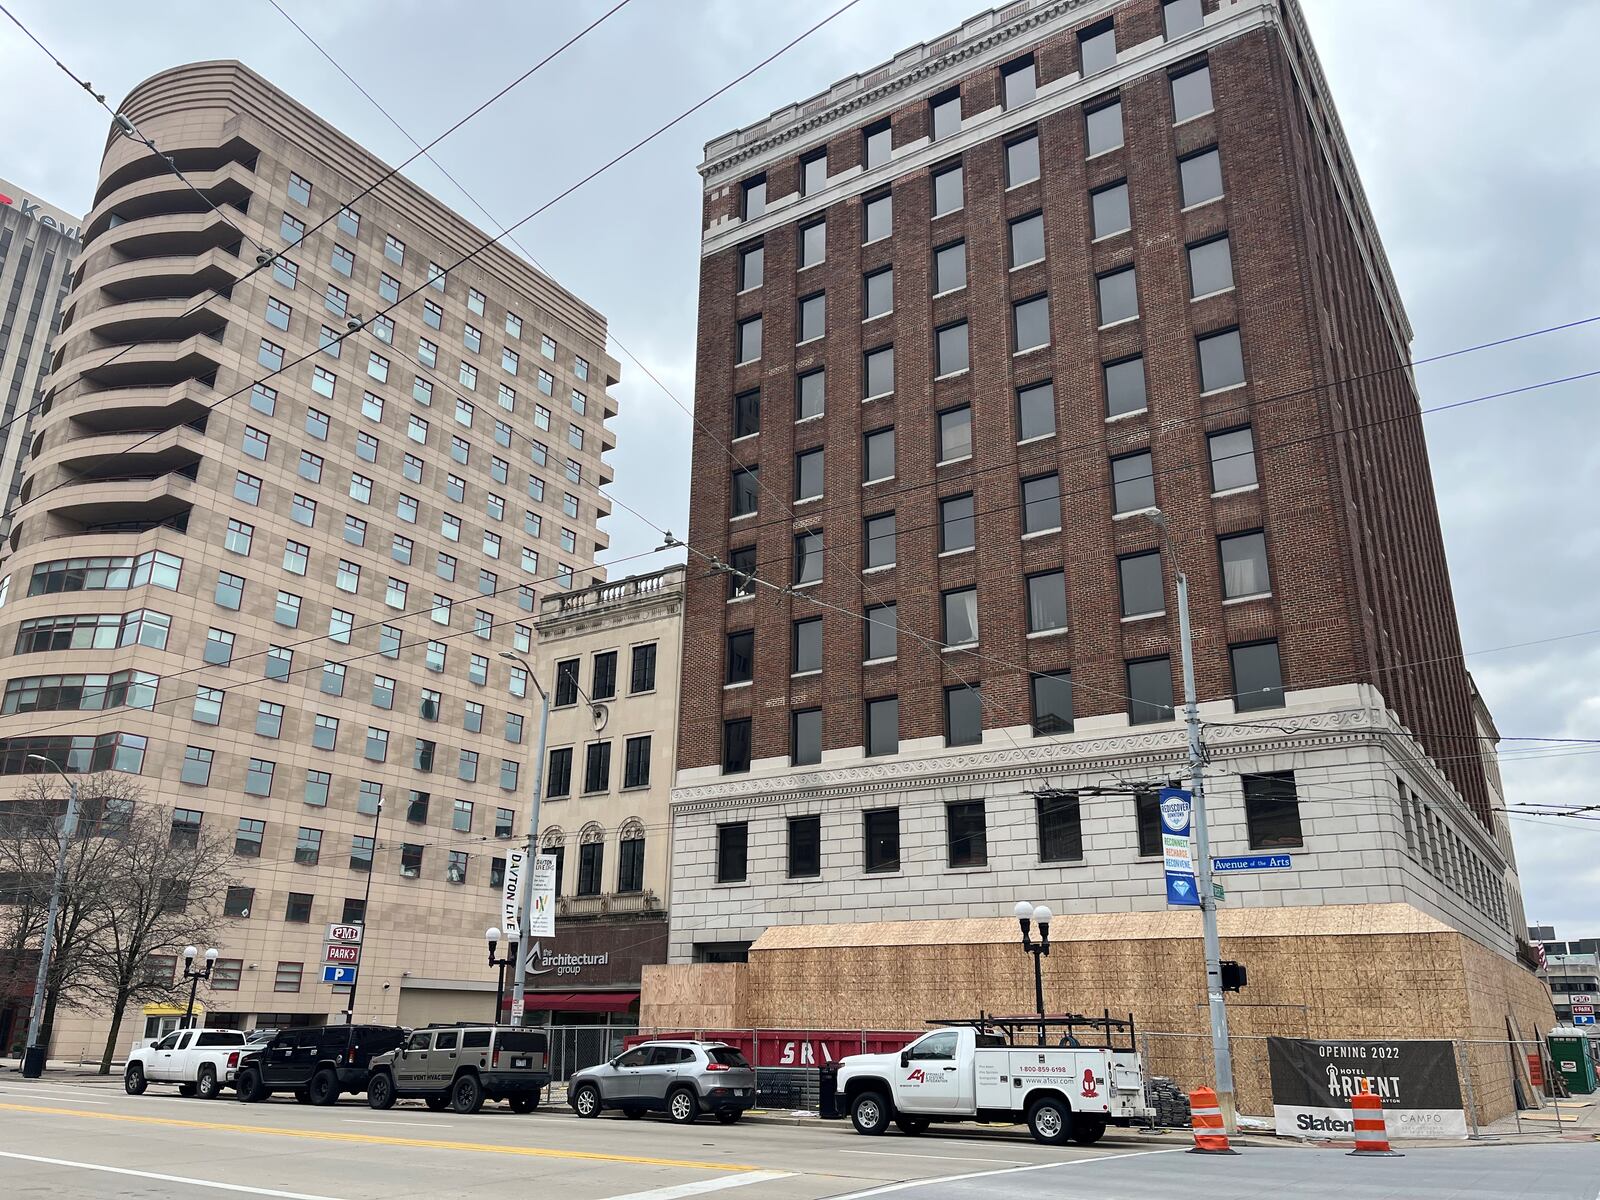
1257, 676
1200, 176
950, 268
1041, 503
1191, 93
950, 349
876, 144
878, 541
813, 244
1097, 47
883, 725
1051, 694
882, 632
878, 372
1149, 690
1133, 485
1272, 811
960, 609
1221, 360
877, 217
1125, 387
747, 413
944, 114
810, 394
749, 343
957, 526
753, 198
813, 173
1018, 83
963, 715
736, 746
1103, 127
1244, 565
878, 293
955, 434
1036, 411
1047, 602
752, 266
1233, 459
1022, 160
1109, 206
805, 737
806, 645
1210, 267
1118, 295
1030, 323
1143, 592
877, 458
949, 190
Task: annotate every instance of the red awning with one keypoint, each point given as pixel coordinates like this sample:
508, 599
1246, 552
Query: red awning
585, 1002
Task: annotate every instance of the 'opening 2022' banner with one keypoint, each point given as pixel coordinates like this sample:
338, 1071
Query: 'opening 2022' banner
1312, 1083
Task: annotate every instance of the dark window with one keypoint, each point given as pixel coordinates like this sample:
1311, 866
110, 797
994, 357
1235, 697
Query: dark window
880, 831
807, 645
1036, 411
957, 530
877, 217
642, 678
1149, 690
733, 852
878, 548
949, 268
560, 781
1027, 239
1257, 676
1133, 484
1041, 504
805, 847
1244, 565
746, 490
741, 657
604, 676
1221, 360
566, 682
1233, 459
875, 144
961, 617
1103, 128
298, 909
882, 630
1118, 293
1060, 828
944, 114
736, 746
1143, 593
878, 372
1272, 811
630, 865
559, 853
1125, 392
753, 199
963, 715
1191, 93
805, 735
636, 762
1210, 267
355, 912
1147, 819
741, 572
966, 836
417, 807
591, 868
878, 455
597, 767
747, 413
1052, 703
1179, 17
1047, 602
238, 902
810, 394
752, 266
807, 557
1018, 83
1022, 160
1098, 47
1200, 177
1110, 210
883, 725
808, 474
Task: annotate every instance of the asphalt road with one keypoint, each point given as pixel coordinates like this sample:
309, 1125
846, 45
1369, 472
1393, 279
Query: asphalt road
88, 1139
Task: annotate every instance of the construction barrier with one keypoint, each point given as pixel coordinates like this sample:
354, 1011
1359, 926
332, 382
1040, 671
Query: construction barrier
1209, 1135
1372, 1133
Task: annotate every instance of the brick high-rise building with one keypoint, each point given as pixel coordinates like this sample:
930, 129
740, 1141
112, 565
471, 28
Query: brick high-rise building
965, 318
284, 608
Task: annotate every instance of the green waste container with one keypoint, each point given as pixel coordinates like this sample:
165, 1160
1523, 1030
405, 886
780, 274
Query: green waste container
1571, 1055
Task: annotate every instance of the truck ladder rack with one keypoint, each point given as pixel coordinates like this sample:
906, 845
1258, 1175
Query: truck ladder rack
1104, 1027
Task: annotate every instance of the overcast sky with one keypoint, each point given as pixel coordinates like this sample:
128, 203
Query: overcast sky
1473, 126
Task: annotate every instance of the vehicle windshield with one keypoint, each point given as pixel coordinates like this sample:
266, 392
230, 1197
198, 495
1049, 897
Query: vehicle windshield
519, 1041
728, 1057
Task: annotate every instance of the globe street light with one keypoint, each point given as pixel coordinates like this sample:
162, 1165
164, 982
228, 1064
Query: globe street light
492, 936
1027, 916
195, 977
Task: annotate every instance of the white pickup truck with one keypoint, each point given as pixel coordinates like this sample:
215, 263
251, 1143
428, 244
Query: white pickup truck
200, 1061
969, 1073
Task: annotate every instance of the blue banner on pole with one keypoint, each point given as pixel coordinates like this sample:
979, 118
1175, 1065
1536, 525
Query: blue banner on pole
1182, 887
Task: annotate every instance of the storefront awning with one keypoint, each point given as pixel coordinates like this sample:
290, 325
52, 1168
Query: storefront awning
585, 1002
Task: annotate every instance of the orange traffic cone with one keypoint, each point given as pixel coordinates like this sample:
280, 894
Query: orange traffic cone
1209, 1135
1372, 1135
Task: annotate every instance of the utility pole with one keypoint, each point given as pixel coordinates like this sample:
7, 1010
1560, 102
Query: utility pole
366, 903
525, 896
1221, 1048
33, 1058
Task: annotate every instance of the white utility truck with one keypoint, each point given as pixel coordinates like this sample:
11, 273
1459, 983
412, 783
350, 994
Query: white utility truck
200, 1061
1002, 1069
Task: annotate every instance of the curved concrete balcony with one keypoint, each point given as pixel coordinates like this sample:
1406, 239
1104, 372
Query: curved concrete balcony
168, 234
156, 365
181, 275
126, 453
126, 161
119, 410
102, 502
166, 193
140, 320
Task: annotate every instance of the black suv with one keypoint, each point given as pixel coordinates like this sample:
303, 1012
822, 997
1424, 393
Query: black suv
462, 1065
318, 1064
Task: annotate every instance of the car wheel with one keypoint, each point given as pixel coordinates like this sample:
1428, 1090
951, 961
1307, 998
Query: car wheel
1086, 1132
380, 1091
683, 1106
466, 1097
633, 1114
134, 1082
248, 1086
186, 1089
436, 1103
524, 1103
729, 1116
911, 1126
1050, 1121
870, 1113
205, 1085
586, 1101
324, 1088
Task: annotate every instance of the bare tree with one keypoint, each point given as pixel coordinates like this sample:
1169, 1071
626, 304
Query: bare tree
168, 892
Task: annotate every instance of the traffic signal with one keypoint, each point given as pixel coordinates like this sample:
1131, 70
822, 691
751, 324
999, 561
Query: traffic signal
1234, 976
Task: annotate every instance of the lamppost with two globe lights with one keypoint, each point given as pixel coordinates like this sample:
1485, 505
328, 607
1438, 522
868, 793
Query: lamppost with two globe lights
1028, 915
194, 977
492, 936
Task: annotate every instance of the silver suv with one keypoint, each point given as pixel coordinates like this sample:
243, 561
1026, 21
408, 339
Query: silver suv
460, 1066
682, 1079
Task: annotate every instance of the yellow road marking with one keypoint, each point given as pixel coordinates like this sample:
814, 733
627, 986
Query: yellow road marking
373, 1139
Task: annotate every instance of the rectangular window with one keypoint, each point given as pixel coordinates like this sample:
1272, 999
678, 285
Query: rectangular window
1036, 411
966, 835
740, 667
1221, 360
597, 767
1244, 565
1191, 93
949, 192
882, 726
591, 859
733, 852
1111, 214
636, 762
882, 632
560, 772
963, 715
230, 590
805, 847
1143, 592
806, 645
736, 746
955, 434
258, 777
944, 114
808, 475
1118, 294
308, 843
1147, 823
1052, 702
604, 676
1047, 602
196, 766
1210, 267
746, 491
875, 144
957, 526
753, 198
317, 784
298, 909
877, 217
1022, 160
1041, 504
1201, 177
813, 173
878, 372
878, 541
1060, 827
1018, 83
878, 293
1179, 17
878, 455
1125, 389
270, 355
1030, 323
813, 318
752, 266
1149, 690
960, 608
1097, 46
1257, 676
269, 719
1272, 811
950, 268
741, 573
749, 342
805, 737
1233, 459
1103, 128
950, 349
808, 551
813, 244
291, 228
1133, 485
278, 314
880, 838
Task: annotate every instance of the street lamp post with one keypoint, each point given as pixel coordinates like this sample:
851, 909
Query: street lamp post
492, 936
366, 902
194, 977
33, 1058
525, 897
1041, 916
1221, 1049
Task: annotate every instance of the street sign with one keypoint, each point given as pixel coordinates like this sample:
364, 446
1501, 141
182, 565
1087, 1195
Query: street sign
1254, 862
345, 933
1216, 890
1583, 1019
1586, 1009
338, 953
516, 1011
1578, 998
511, 893
338, 975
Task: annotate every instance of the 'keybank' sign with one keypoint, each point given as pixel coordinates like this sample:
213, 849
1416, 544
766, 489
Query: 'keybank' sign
37, 210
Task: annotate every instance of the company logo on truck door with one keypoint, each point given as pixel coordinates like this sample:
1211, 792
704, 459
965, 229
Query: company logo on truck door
1088, 1083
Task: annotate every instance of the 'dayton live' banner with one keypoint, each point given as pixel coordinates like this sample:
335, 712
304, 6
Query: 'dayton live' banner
1312, 1083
